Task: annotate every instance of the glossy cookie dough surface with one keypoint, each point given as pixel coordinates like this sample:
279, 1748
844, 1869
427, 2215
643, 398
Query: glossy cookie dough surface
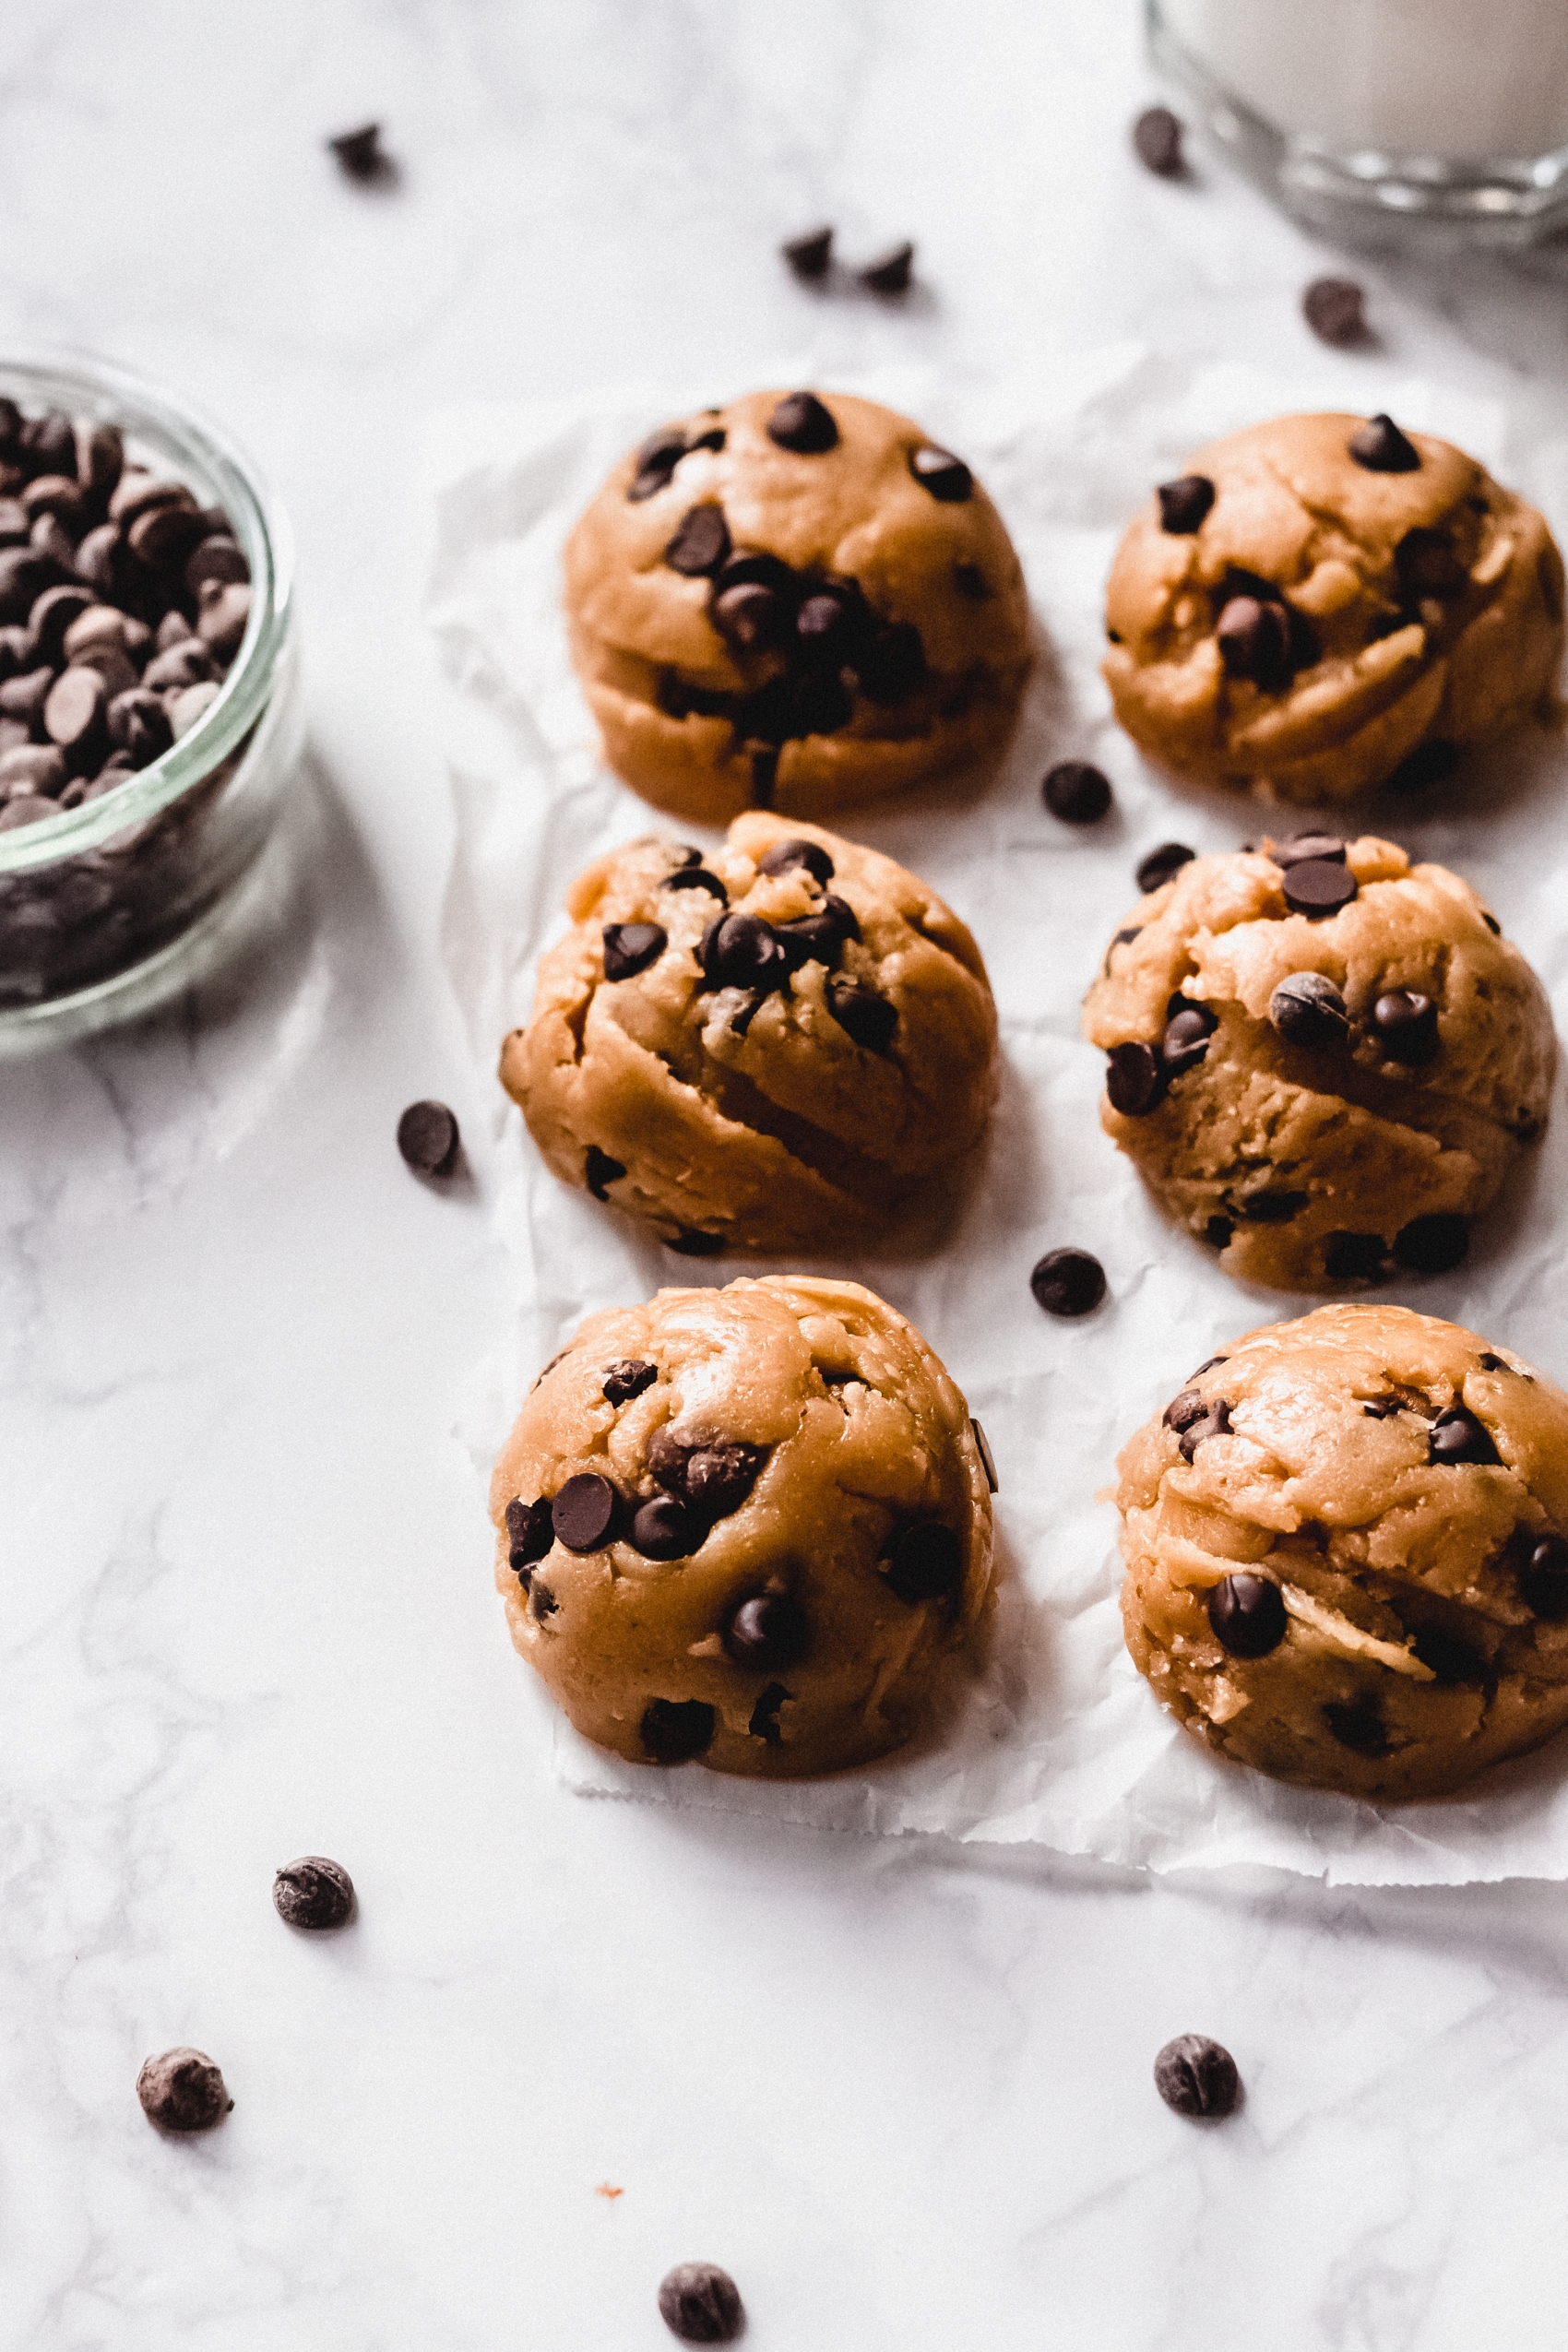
1323, 1059
1325, 603
796, 602
1344, 1551
768, 1051
746, 1525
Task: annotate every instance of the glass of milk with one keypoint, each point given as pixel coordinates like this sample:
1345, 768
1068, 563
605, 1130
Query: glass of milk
1440, 112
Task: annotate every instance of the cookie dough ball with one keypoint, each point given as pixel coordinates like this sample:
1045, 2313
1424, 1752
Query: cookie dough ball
1323, 1059
746, 1524
1324, 604
1345, 1556
793, 602
768, 1053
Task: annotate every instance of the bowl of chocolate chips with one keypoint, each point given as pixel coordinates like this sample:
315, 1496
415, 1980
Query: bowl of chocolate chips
150, 714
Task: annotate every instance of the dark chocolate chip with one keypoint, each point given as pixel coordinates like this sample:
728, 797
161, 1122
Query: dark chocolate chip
626, 1378
769, 1633
691, 1242
1357, 1727
531, 1532
666, 1528
1215, 1422
183, 2091
945, 476
1076, 792
742, 951
755, 567
1184, 1410
73, 715
804, 424
1335, 308
1272, 1208
427, 1138
52, 614
672, 1731
971, 582
1355, 1257
1457, 1436
924, 1560
1432, 1244
630, 948
49, 444
701, 544
1247, 1614
829, 623
23, 698
1543, 1578
1382, 449
361, 153
810, 256
1068, 1282
23, 578
867, 1017
217, 557
1428, 763
988, 1460
139, 724
1196, 2076
541, 1600
1427, 565
313, 1893
1309, 1011
656, 461
1159, 866
1489, 1362
818, 938
1492, 924
1157, 142
890, 273
599, 1170
751, 618
1303, 847
1254, 642
1318, 887
698, 2302
1135, 1079
1406, 1022
1382, 1408
785, 855
1184, 504
763, 1723
585, 1512
1208, 1365
1451, 1659
1217, 1233
1185, 1041
696, 878
892, 664
714, 1475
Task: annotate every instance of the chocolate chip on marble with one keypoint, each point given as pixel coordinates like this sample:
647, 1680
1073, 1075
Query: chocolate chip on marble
427, 1138
1358, 1725
1156, 868
1157, 142
630, 948
804, 424
673, 1731
988, 1460
1406, 1022
924, 1560
785, 855
313, 1893
1310, 1013
1543, 1578
702, 542
599, 1171
1135, 1079
769, 1633
811, 257
751, 617
1303, 847
696, 878
764, 1723
1197, 2076
139, 724
890, 274
1427, 764
1433, 1244
1318, 887
585, 1513
742, 951
666, 1528
530, 1531
628, 1377
361, 154
1457, 1436
1068, 1282
1214, 1422
1076, 792
1335, 308
866, 1017
1247, 1614
183, 2090
1184, 504
699, 2302
1186, 1038
947, 477
1382, 449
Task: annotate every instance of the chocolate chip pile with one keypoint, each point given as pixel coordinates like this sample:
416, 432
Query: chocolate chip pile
123, 604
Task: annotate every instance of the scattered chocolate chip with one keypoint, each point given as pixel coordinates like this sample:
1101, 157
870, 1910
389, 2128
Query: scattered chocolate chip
1458, 1436
785, 855
751, 617
666, 1528
1184, 504
742, 951
672, 1731
924, 1560
702, 542
1355, 1257
1068, 1282
1135, 1079
1247, 1614
585, 1512
767, 1632
1432, 1244
699, 2302
630, 948
1307, 848
691, 1242
1428, 763
626, 1378
988, 1461
1309, 1011
361, 153
891, 273
183, 2091
763, 1723
1185, 1041
1076, 792
599, 1170
1214, 1422
947, 477
810, 256
427, 1138
313, 1893
1196, 2076
1335, 308
1543, 1578
1357, 1727
1318, 887
1159, 866
804, 424
1382, 449
696, 878
1406, 1022
530, 1531
868, 1018
1157, 142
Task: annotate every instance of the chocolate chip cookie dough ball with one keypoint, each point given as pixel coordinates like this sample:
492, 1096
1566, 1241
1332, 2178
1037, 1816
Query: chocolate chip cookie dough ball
1346, 1553
793, 602
746, 1525
769, 1052
1324, 1060
1324, 604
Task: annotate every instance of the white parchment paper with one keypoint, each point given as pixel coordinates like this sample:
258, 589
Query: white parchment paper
1055, 1739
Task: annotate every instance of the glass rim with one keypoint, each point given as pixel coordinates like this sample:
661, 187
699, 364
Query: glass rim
51, 375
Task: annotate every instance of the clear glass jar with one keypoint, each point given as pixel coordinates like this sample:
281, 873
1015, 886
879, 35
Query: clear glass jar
1385, 117
93, 897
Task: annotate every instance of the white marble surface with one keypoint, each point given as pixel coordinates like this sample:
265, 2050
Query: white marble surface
900, 2089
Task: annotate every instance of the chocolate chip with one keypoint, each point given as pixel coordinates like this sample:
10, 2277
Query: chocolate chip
808, 256
73, 715
1492, 924
185, 664
183, 2091
656, 461
1185, 1041
23, 698
1432, 1244
626, 1378
988, 1461
1427, 764
1335, 308
217, 557
828, 623
767, 1632
1451, 1659
699, 2302
1309, 1011
1272, 1208
1357, 1727
691, 1242
785, 855
1457, 1436
971, 582
599, 1170
890, 274
1157, 142
696, 878
1318, 887
763, 1723
1187, 1408
1254, 642
867, 1017
361, 154
1382, 449
1135, 1079
714, 438
1407, 1027
924, 1560
1354, 1257
666, 1528
427, 1138
1215, 1422
947, 477
742, 951
1184, 504
1543, 1578
585, 1512
751, 618
892, 664
530, 1531
1160, 865
1196, 2076
1076, 792
541, 1600
139, 724
701, 544
1247, 1614
630, 948
1381, 1408
51, 615
818, 938
672, 1731
49, 444
714, 1475
1302, 847
1068, 1282
23, 578
1217, 1233
1208, 1365
804, 424
27, 808
1427, 565
313, 1893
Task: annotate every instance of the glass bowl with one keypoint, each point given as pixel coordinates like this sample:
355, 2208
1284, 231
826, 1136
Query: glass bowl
95, 896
